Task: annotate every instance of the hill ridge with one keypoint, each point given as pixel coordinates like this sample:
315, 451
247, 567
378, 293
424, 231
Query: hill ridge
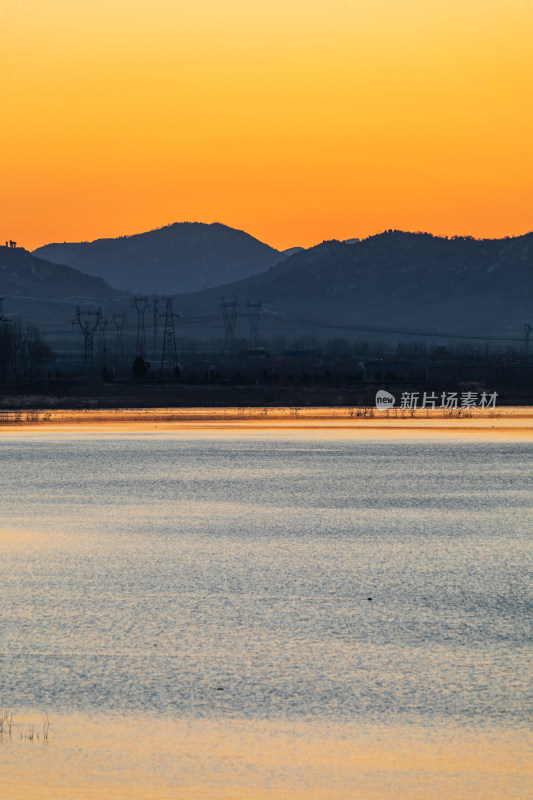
182, 256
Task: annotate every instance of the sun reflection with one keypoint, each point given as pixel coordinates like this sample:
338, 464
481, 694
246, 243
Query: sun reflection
140, 758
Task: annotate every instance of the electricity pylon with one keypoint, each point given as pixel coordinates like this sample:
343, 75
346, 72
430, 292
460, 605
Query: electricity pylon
88, 322
140, 304
253, 312
118, 321
230, 312
169, 352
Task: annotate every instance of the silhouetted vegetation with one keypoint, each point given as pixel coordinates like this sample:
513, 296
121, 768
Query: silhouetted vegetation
24, 355
280, 372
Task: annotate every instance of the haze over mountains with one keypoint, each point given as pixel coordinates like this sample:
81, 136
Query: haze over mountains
399, 282
178, 258
407, 281
46, 293
24, 275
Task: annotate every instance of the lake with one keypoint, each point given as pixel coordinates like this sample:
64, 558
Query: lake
265, 614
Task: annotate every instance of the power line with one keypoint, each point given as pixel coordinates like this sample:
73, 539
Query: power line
396, 331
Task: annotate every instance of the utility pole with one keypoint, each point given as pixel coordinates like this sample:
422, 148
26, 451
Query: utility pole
169, 352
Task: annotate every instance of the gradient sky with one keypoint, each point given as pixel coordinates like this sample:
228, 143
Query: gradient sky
295, 120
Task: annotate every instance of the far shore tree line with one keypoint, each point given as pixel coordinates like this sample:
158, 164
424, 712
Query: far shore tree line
24, 354
27, 360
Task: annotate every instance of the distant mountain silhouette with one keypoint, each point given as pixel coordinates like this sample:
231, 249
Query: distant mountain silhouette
46, 293
183, 257
395, 282
290, 251
410, 281
24, 275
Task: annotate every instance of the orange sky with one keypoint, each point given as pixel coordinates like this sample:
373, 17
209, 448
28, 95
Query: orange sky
295, 120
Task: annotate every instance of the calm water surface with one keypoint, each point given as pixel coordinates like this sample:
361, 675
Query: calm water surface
216, 587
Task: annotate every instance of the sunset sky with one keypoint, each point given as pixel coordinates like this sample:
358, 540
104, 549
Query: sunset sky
295, 120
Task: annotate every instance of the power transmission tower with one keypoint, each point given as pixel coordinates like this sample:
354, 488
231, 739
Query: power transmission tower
230, 312
88, 322
169, 352
104, 322
118, 321
140, 304
253, 312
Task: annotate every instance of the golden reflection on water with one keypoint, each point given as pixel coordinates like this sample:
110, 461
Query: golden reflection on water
506, 421
129, 758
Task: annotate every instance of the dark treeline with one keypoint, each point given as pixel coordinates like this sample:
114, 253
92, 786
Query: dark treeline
24, 355
280, 370
343, 365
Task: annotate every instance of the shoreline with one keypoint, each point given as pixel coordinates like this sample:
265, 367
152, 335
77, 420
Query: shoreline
507, 420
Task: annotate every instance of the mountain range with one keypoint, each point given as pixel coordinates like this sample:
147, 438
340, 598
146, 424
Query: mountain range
40, 291
395, 282
178, 258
